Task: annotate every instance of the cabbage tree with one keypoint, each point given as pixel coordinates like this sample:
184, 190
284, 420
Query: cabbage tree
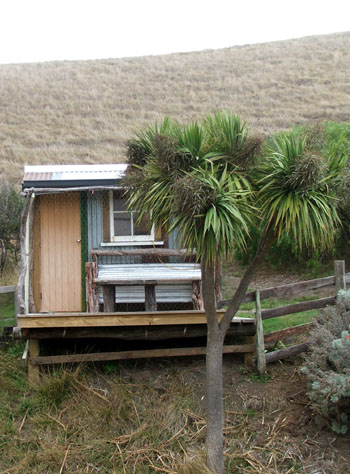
207, 180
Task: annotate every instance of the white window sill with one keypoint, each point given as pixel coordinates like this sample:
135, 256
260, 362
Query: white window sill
131, 243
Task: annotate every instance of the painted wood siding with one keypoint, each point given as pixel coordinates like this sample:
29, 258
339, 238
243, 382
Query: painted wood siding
60, 261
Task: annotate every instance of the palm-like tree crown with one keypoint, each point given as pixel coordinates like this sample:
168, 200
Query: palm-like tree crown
294, 192
197, 178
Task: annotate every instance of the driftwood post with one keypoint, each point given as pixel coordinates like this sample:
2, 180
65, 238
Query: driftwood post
339, 272
260, 346
91, 291
21, 279
197, 299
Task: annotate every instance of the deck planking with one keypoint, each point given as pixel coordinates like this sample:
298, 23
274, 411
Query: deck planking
155, 318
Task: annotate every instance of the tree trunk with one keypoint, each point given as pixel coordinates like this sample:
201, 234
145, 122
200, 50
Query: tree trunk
347, 251
3, 256
215, 341
215, 405
214, 386
218, 282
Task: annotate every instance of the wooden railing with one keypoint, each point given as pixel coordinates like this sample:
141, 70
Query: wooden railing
7, 289
338, 281
108, 286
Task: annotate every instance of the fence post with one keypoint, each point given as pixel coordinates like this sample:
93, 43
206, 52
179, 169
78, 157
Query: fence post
339, 272
260, 346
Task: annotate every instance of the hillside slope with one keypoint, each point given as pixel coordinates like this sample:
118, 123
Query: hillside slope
84, 111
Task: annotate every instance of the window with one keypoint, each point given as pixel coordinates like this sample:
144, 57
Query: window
123, 224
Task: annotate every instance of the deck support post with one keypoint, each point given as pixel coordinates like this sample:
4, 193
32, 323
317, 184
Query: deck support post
33, 370
108, 298
150, 298
248, 356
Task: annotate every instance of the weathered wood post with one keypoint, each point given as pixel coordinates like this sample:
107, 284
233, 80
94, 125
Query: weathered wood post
150, 297
108, 298
339, 272
20, 291
91, 291
249, 356
33, 370
197, 299
260, 345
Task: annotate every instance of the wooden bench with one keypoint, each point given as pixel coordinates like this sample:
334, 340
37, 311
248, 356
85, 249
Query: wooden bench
149, 283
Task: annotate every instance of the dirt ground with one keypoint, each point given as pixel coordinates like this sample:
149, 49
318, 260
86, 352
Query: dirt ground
269, 424
283, 419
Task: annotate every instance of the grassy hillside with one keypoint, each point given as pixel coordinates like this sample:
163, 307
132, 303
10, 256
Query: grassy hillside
83, 111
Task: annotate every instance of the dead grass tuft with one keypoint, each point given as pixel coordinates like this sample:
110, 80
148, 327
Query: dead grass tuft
147, 417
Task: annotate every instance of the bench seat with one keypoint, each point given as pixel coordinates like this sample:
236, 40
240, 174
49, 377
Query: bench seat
173, 281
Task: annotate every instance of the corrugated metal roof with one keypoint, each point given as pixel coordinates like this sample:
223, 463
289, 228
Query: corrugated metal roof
54, 175
30, 176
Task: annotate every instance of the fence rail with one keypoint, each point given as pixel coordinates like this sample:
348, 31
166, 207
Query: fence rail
7, 289
289, 289
339, 281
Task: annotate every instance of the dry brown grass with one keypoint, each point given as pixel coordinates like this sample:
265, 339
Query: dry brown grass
145, 417
83, 111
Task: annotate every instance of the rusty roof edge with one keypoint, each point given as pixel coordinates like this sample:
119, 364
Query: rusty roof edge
53, 190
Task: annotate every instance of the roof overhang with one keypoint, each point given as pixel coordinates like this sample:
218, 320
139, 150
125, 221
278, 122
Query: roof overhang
72, 176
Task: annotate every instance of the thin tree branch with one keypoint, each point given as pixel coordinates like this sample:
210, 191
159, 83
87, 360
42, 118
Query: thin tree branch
267, 239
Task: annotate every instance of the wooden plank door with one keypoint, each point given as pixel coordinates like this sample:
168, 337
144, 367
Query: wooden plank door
60, 262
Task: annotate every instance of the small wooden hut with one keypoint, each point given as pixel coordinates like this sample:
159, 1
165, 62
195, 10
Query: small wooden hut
90, 268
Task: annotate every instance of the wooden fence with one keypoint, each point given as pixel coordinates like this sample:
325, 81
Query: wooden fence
7, 289
338, 281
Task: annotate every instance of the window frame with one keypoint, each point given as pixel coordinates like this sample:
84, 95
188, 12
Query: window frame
128, 239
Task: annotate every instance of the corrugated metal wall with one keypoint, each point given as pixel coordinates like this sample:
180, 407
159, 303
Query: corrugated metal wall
95, 231
173, 243
94, 220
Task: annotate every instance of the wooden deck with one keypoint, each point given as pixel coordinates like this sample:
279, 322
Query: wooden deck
136, 326
156, 318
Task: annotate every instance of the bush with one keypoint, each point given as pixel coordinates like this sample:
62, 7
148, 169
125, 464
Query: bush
327, 365
321, 139
285, 252
11, 204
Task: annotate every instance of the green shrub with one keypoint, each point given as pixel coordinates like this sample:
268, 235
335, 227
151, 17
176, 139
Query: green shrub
327, 365
321, 139
11, 203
